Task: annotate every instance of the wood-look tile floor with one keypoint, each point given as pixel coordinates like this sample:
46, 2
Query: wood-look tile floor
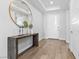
49, 49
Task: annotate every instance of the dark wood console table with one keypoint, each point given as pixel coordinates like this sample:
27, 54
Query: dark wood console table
13, 44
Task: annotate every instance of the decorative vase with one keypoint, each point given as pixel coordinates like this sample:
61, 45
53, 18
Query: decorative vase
28, 31
31, 31
20, 30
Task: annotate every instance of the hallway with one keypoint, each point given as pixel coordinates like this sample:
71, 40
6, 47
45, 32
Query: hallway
49, 49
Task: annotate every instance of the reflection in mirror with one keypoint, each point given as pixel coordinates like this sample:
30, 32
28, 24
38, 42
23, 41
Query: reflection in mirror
19, 12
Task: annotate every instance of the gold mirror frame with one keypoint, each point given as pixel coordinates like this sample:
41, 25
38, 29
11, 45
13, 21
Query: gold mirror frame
14, 19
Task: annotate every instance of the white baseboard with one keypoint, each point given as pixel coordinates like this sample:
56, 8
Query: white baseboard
67, 41
41, 38
74, 52
55, 38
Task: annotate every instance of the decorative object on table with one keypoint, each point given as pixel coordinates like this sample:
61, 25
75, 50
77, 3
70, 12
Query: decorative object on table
26, 25
20, 12
30, 27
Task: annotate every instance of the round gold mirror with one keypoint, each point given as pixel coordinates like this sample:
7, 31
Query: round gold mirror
20, 12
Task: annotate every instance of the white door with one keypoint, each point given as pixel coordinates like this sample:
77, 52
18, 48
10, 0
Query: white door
52, 26
75, 35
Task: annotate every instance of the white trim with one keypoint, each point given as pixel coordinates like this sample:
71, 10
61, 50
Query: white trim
48, 9
19, 9
54, 8
74, 52
42, 4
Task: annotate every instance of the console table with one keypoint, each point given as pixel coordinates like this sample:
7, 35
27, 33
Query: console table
13, 44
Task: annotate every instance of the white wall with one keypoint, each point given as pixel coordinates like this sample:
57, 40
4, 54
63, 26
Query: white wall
74, 15
62, 20
8, 28
37, 22
68, 26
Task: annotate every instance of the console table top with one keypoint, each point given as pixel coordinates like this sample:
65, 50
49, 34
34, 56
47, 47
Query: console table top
23, 36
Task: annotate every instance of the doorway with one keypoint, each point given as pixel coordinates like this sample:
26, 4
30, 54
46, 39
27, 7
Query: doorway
52, 26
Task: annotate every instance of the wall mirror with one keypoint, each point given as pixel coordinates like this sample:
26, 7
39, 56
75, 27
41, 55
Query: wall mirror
19, 12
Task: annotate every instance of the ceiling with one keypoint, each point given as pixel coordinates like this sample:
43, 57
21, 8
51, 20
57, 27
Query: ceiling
50, 5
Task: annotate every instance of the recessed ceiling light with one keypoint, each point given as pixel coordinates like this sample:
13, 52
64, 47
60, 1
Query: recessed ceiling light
51, 2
